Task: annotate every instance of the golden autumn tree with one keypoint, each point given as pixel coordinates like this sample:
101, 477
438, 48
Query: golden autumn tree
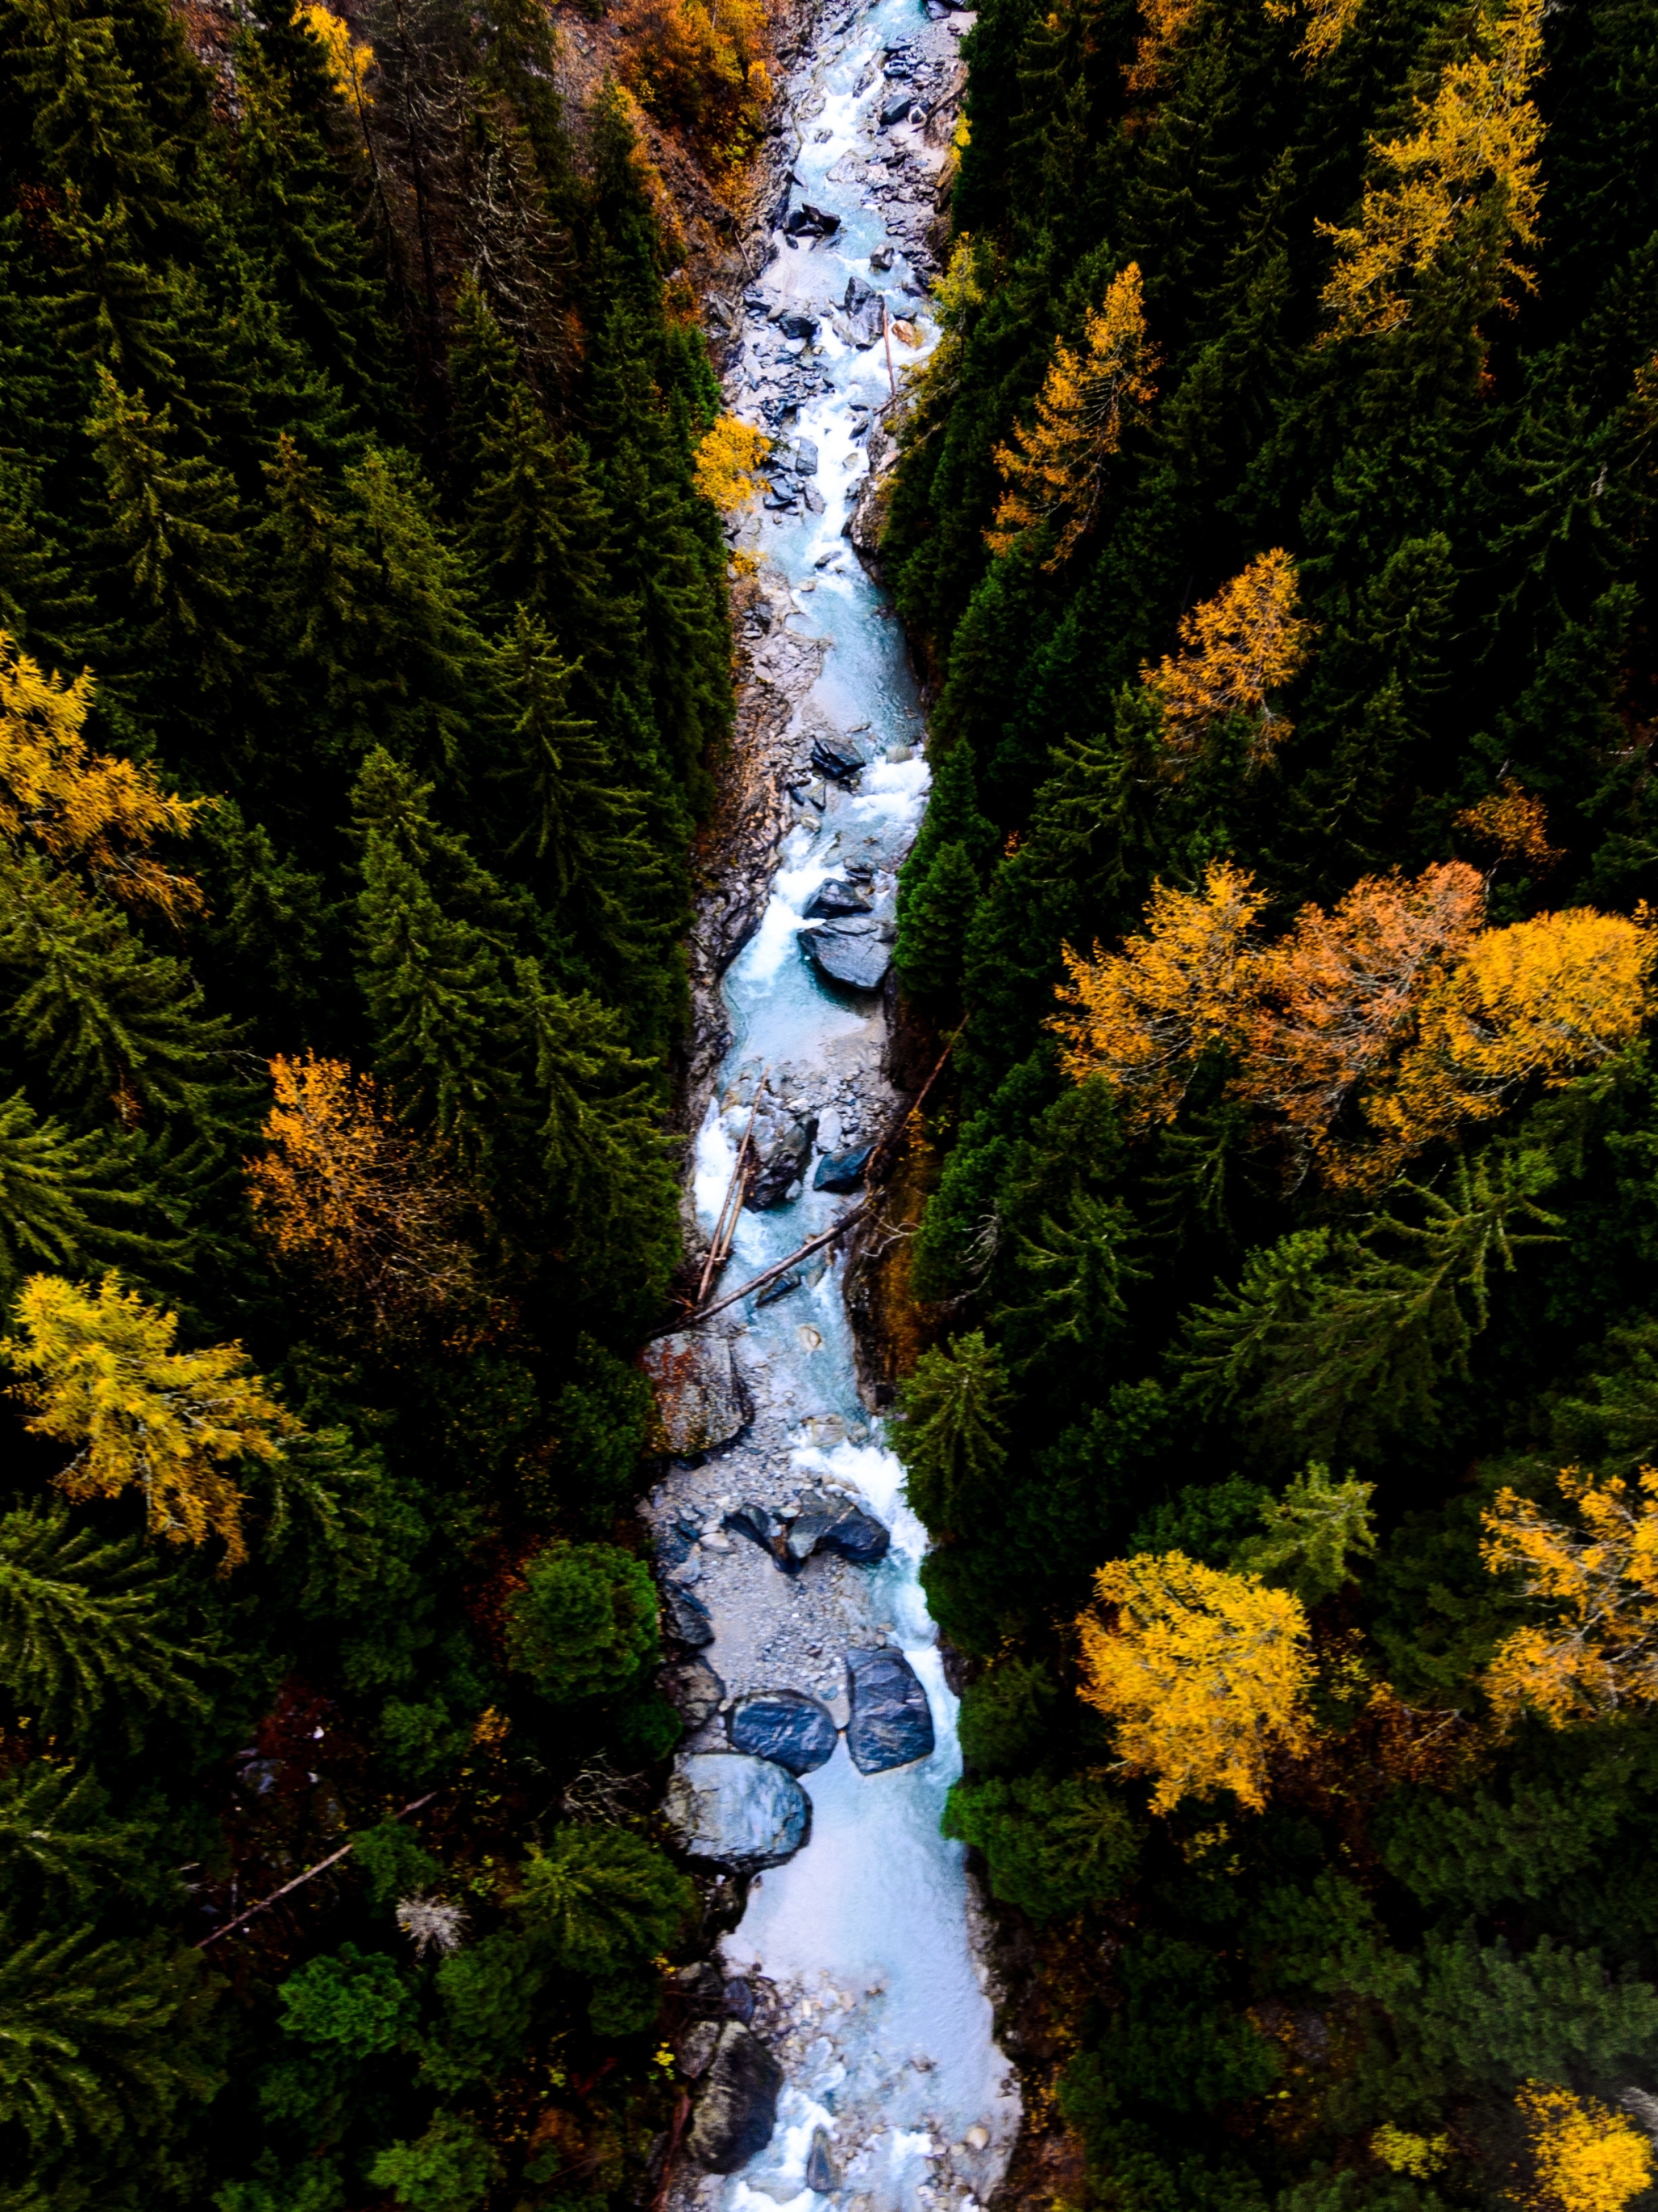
1598, 1651
1205, 1674
1328, 22
1513, 823
1470, 156
1541, 1001
1143, 1016
1584, 2157
344, 1189
1166, 22
1340, 993
349, 63
1235, 651
81, 806
100, 1370
725, 463
1055, 469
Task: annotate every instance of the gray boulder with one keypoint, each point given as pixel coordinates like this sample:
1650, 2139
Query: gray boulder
865, 311
734, 1811
842, 1170
852, 953
784, 1725
827, 1523
902, 107
686, 1617
891, 1723
736, 2104
822, 2178
700, 1401
760, 1526
696, 1690
833, 899
803, 458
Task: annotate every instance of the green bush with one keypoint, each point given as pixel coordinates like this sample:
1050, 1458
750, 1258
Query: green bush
586, 1624
448, 2169
349, 2002
599, 1899
1005, 1716
1053, 1847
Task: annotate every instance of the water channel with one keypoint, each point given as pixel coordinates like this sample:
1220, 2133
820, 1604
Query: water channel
861, 1947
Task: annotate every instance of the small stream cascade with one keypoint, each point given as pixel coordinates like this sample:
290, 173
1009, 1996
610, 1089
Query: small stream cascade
788, 1556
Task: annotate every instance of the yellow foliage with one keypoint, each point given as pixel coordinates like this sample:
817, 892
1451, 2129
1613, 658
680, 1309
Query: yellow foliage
1401, 2152
84, 805
701, 65
1328, 22
726, 462
1475, 140
1205, 1674
1054, 471
1142, 1016
349, 63
1600, 1650
1235, 648
1340, 992
1546, 998
1586, 2158
1165, 21
101, 1371
345, 1190
1514, 823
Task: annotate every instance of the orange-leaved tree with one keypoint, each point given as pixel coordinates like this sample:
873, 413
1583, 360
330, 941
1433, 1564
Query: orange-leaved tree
100, 1370
1144, 1016
1054, 471
343, 1188
1467, 165
1166, 22
1328, 22
1584, 2157
725, 463
1235, 651
1598, 1651
1541, 1001
1204, 1673
1514, 822
1341, 991
78, 805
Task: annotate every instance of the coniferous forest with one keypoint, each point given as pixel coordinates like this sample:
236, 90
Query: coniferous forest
1275, 518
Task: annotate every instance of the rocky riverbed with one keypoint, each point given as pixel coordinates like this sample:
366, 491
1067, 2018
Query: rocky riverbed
841, 2047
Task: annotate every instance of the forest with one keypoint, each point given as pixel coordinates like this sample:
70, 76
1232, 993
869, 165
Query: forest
1275, 521
365, 663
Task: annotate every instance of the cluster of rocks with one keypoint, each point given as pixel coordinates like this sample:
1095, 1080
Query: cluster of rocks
820, 1522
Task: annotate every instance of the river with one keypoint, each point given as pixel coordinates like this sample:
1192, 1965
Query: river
860, 1950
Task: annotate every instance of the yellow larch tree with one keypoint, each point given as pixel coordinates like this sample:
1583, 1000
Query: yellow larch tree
1471, 154
100, 1370
1166, 24
1055, 469
1514, 822
1328, 22
349, 63
1143, 1016
1541, 1001
1340, 993
1205, 1674
1236, 650
1598, 1651
344, 1190
81, 806
1585, 2158
726, 462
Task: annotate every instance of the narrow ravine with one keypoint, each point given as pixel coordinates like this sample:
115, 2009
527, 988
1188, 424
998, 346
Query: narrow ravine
821, 1741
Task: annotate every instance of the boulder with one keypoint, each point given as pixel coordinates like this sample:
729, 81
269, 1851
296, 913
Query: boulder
701, 1989
760, 1525
775, 1184
882, 258
736, 2104
735, 1811
832, 899
739, 1999
891, 1723
803, 458
842, 1170
779, 1289
797, 323
810, 221
822, 2178
813, 499
700, 1401
843, 953
901, 108
685, 1617
784, 1725
695, 1689
866, 312
838, 758
858, 1537
826, 1523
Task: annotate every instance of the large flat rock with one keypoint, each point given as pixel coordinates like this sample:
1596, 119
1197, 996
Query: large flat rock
700, 1401
736, 1811
736, 2103
784, 1725
891, 1723
852, 953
